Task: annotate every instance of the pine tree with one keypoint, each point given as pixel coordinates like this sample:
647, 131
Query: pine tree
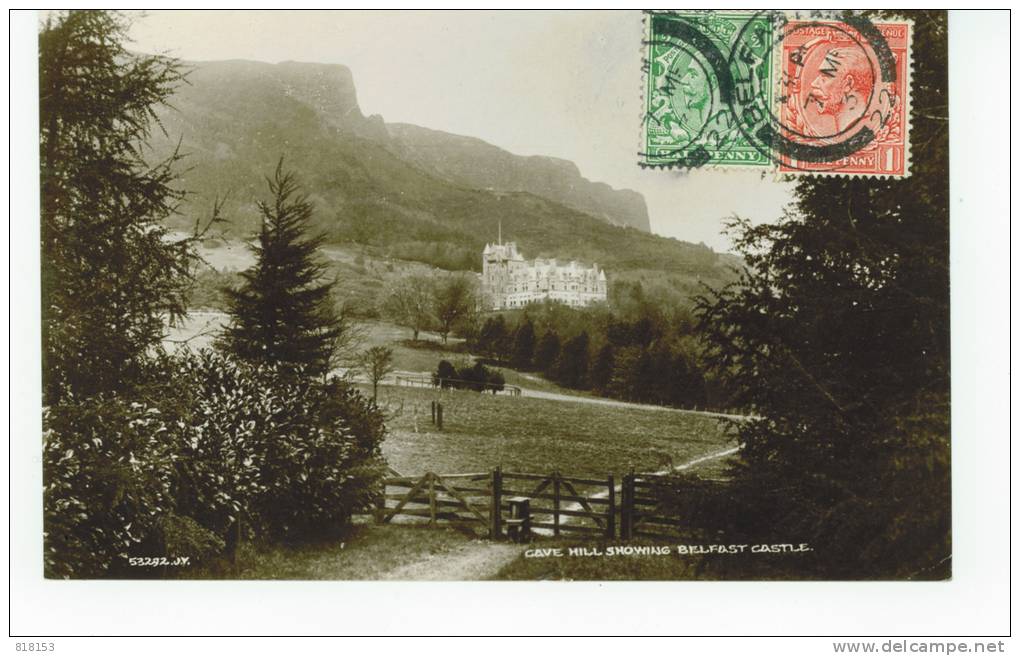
110, 275
547, 351
837, 340
283, 312
572, 364
493, 337
524, 345
601, 371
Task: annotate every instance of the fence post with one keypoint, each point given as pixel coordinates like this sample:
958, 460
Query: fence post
432, 499
627, 507
433, 412
439, 416
496, 504
519, 524
380, 506
556, 503
611, 517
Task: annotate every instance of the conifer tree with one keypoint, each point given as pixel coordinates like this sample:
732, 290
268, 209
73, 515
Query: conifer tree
283, 312
547, 351
110, 275
524, 344
601, 371
837, 340
571, 367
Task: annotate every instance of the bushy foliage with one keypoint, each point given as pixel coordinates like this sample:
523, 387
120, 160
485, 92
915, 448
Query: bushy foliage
108, 480
221, 442
475, 377
444, 375
292, 456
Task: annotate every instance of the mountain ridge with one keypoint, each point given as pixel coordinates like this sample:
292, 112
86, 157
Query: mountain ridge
237, 118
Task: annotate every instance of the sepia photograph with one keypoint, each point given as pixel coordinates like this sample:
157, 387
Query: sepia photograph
284, 338
494, 296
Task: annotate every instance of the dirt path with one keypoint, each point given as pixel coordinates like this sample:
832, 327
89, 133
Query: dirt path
393, 380
553, 396
477, 560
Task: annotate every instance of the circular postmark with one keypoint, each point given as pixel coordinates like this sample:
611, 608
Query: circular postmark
683, 100
834, 88
688, 122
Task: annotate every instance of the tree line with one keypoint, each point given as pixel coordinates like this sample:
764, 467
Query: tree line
439, 302
644, 358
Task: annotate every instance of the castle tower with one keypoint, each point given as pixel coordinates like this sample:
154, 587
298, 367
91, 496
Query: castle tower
508, 281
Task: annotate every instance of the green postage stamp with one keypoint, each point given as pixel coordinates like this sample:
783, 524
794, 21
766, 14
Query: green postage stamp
822, 93
688, 121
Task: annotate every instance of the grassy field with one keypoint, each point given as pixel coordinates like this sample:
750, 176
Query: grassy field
421, 356
536, 435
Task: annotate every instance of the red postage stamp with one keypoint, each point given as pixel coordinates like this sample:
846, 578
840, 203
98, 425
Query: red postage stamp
839, 85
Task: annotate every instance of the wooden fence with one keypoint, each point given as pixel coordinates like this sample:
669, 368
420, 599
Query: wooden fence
643, 506
563, 504
642, 513
425, 380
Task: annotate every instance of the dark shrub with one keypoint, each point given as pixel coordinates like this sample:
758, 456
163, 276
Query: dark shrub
107, 483
290, 455
444, 374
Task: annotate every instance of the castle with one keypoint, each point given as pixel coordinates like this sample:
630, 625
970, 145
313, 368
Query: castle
508, 281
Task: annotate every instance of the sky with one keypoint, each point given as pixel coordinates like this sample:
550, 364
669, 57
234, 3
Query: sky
560, 84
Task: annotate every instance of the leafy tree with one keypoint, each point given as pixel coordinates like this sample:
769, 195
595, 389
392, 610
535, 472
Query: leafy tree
453, 299
493, 336
110, 274
688, 386
283, 312
376, 363
547, 351
632, 374
479, 378
408, 303
836, 339
444, 374
571, 367
665, 379
601, 370
524, 345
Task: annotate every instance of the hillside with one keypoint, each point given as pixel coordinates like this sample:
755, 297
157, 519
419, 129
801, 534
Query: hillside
373, 184
475, 163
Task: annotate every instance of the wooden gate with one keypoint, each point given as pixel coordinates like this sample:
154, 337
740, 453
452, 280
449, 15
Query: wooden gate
564, 504
558, 504
645, 507
451, 497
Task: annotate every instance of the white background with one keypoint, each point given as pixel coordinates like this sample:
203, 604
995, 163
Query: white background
975, 602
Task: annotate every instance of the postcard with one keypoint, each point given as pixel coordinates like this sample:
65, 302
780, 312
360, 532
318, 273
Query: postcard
495, 296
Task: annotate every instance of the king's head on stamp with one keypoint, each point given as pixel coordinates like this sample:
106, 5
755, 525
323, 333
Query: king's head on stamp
841, 86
